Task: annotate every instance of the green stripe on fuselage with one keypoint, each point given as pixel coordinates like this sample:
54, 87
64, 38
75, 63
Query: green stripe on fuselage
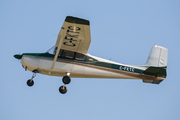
94, 63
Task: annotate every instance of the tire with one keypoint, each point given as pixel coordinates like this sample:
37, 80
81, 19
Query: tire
30, 82
63, 89
66, 79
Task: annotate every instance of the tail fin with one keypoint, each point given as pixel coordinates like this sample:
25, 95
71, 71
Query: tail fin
157, 64
157, 57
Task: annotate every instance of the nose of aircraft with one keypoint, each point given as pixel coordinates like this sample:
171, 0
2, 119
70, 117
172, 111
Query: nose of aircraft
18, 56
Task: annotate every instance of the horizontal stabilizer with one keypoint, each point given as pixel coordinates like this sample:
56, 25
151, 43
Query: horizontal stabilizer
156, 71
152, 81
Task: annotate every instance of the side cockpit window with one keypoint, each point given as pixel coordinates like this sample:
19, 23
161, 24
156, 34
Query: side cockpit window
62, 53
66, 54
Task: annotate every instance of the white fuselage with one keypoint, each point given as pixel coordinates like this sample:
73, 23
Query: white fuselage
79, 70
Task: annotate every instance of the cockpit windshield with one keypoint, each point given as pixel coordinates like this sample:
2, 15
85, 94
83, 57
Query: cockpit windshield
52, 50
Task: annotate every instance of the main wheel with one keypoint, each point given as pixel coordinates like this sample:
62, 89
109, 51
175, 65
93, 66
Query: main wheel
66, 79
30, 82
63, 89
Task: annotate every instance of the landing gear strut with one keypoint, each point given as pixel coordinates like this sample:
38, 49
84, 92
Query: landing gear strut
30, 82
65, 80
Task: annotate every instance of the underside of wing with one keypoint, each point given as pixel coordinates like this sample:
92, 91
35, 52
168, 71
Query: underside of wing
75, 35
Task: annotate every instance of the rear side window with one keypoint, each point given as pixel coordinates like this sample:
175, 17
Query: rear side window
80, 57
90, 59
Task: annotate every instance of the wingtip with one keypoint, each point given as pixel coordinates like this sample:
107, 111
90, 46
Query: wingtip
77, 20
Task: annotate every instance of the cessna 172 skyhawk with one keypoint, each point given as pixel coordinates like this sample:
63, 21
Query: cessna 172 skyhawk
69, 58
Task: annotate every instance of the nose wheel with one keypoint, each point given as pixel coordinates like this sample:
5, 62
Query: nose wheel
30, 82
65, 80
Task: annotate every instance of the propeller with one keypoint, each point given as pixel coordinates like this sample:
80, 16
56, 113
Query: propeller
18, 56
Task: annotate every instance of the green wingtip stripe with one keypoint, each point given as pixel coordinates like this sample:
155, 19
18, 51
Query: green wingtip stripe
76, 20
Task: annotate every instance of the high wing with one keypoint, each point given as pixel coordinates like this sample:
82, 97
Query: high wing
74, 35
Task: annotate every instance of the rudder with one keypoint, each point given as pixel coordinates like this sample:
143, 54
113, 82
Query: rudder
157, 57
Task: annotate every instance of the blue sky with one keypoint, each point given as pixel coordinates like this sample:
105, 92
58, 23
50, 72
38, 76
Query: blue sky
123, 30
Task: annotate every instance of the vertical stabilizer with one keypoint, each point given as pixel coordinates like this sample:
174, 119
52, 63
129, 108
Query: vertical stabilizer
157, 57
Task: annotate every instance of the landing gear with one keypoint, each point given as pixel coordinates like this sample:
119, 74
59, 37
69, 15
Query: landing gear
63, 89
66, 80
30, 82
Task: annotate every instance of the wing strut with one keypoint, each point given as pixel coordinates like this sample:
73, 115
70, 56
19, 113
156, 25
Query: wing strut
57, 52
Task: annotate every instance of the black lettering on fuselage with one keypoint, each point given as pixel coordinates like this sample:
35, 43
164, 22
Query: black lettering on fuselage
124, 68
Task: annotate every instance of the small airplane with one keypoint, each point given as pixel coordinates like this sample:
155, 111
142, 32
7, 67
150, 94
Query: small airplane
69, 59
